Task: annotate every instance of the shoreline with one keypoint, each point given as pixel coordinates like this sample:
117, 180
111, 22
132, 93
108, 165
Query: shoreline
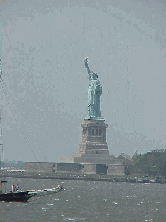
113, 179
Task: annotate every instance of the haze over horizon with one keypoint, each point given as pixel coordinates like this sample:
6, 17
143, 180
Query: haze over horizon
44, 44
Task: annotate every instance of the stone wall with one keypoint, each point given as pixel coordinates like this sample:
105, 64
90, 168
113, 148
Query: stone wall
47, 167
89, 168
86, 168
101, 168
97, 158
115, 169
67, 160
69, 167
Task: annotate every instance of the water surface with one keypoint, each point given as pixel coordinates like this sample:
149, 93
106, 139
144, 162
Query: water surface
88, 201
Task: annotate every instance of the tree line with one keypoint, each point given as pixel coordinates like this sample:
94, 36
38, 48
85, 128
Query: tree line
149, 164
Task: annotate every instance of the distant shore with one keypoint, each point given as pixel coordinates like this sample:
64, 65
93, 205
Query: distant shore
91, 178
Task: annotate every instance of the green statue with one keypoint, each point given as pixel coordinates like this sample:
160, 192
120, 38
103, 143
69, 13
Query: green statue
94, 93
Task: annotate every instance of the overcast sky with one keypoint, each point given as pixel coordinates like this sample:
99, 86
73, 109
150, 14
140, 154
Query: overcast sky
44, 44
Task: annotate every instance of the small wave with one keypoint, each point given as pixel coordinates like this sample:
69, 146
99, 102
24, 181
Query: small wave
115, 203
74, 218
43, 208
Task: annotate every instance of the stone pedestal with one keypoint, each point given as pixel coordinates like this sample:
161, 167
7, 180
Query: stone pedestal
94, 137
93, 154
93, 147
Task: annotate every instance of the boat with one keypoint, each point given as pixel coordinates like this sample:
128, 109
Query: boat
18, 196
15, 195
46, 191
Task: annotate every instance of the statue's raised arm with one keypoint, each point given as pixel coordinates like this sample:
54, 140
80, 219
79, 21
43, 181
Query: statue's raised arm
87, 67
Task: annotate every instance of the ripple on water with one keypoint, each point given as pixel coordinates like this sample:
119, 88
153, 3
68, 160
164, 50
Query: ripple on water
74, 218
115, 203
44, 208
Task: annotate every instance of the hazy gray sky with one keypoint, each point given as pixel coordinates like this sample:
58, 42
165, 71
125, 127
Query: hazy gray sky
43, 48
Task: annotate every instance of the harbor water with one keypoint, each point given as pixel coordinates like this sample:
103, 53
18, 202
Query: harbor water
89, 201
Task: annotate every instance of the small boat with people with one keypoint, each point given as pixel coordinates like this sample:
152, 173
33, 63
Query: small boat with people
14, 195
18, 195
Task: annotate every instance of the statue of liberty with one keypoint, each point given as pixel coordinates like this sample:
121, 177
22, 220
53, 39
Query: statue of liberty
94, 93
